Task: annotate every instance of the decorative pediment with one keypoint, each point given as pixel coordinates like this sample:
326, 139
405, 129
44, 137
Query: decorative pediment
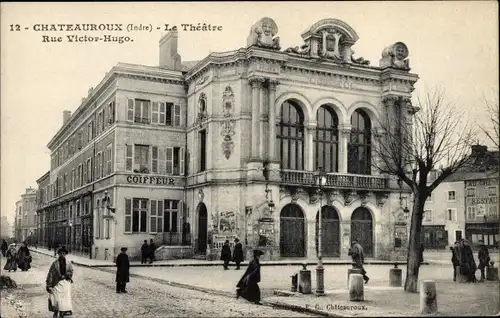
262, 34
396, 56
329, 39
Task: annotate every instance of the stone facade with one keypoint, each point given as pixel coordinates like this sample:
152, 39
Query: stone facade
217, 153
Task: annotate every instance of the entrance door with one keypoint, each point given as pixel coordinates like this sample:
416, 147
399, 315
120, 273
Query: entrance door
202, 228
458, 235
292, 232
330, 232
362, 229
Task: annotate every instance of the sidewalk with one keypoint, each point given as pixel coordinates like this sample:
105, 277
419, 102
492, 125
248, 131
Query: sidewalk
87, 262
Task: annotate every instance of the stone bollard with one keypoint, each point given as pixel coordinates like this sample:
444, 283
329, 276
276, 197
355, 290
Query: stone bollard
428, 297
294, 282
461, 278
356, 288
352, 271
395, 276
492, 272
305, 280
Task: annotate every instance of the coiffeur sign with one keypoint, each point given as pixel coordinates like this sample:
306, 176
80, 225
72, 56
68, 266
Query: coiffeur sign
150, 180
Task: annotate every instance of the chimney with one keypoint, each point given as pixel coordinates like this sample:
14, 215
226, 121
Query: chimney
66, 116
169, 57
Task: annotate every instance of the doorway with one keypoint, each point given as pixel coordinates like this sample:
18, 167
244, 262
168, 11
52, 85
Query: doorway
458, 235
202, 229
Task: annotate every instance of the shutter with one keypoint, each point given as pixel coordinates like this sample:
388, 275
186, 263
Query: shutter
177, 115
129, 160
161, 161
154, 113
154, 159
162, 113
153, 225
105, 117
170, 161
130, 109
128, 216
160, 216
181, 164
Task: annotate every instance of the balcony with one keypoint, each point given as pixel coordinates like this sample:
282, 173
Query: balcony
336, 180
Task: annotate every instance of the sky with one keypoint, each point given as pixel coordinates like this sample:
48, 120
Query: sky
453, 45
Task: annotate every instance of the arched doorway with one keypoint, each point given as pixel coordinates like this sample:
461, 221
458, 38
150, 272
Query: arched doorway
330, 227
202, 228
362, 229
292, 232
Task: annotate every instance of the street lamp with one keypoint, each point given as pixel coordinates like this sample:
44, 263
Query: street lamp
107, 199
320, 181
266, 172
401, 198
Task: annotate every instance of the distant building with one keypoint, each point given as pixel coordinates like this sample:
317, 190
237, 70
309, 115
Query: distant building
6, 230
18, 220
28, 216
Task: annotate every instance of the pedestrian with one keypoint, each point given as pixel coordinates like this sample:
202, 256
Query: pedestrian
24, 257
454, 260
484, 259
122, 271
248, 286
11, 254
237, 253
5, 247
468, 264
358, 258
152, 250
58, 284
225, 254
144, 252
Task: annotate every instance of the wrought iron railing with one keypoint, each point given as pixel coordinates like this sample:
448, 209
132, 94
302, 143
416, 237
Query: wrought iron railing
336, 180
176, 239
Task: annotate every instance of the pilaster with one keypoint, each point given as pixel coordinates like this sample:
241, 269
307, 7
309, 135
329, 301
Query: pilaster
345, 135
311, 239
272, 120
309, 145
256, 83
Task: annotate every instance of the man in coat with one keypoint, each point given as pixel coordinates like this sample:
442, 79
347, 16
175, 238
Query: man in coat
225, 254
144, 252
152, 250
248, 285
122, 271
454, 259
358, 258
484, 259
237, 253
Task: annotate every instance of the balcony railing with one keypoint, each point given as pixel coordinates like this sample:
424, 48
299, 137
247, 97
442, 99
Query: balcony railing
336, 180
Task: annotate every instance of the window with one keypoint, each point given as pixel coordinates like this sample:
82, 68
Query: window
158, 113
493, 211
203, 150
428, 215
138, 111
98, 124
290, 137
89, 170
156, 216
451, 215
90, 131
101, 165
80, 175
65, 188
173, 115
430, 198
451, 195
98, 164
154, 161
492, 191
359, 146
77, 206
136, 215
471, 192
141, 158
326, 140
73, 179
129, 160
171, 216
111, 112
103, 120
97, 219
175, 161
109, 151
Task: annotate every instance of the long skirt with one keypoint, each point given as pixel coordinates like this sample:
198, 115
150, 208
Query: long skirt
60, 298
11, 265
24, 264
250, 292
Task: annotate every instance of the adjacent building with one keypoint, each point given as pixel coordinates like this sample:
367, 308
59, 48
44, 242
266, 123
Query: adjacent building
190, 154
18, 219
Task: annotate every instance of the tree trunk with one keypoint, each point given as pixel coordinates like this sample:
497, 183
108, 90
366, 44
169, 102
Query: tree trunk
414, 245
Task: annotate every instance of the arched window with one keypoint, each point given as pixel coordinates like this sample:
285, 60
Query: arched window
359, 156
291, 136
326, 140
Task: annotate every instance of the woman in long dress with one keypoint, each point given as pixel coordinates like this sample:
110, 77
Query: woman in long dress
248, 286
58, 282
11, 264
24, 258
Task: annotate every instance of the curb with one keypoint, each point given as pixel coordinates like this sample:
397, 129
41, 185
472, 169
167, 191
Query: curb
293, 263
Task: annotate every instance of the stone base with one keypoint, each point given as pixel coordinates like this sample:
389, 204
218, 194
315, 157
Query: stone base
395, 277
351, 271
356, 288
492, 273
428, 297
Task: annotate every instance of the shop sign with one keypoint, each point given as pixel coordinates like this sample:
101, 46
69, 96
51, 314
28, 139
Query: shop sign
154, 180
488, 200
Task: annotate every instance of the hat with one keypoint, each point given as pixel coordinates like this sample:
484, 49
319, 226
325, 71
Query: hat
62, 249
257, 253
236, 240
124, 249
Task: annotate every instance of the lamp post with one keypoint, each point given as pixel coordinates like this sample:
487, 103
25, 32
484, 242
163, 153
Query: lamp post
320, 181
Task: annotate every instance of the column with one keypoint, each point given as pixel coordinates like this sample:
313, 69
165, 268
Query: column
309, 146
256, 83
311, 239
345, 135
272, 120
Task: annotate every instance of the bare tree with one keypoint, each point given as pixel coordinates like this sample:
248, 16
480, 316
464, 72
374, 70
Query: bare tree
412, 142
491, 130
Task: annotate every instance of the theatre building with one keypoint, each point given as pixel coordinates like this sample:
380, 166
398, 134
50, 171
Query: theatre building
193, 153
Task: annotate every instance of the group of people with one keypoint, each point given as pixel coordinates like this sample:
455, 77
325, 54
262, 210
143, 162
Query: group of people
463, 259
237, 255
16, 258
148, 252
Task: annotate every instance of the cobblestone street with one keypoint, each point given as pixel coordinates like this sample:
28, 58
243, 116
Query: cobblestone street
94, 296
